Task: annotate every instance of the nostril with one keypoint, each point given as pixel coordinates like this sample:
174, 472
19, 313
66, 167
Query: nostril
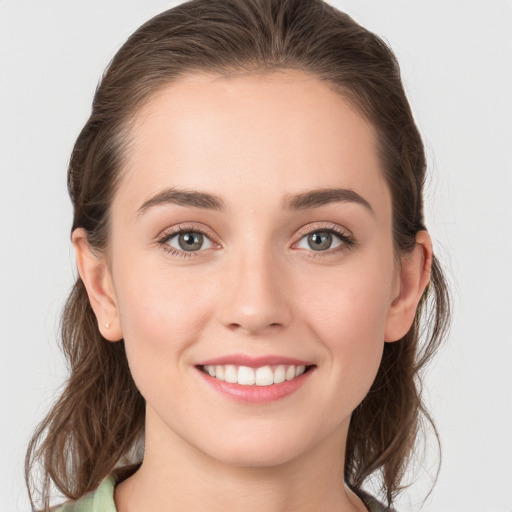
255, 327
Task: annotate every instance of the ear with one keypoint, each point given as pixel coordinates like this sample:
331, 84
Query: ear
94, 272
414, 275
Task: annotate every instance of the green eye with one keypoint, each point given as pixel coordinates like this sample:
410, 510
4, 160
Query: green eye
320, 240
189, 241
324, 240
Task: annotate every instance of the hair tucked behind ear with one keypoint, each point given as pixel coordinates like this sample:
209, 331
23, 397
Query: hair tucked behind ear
98, 419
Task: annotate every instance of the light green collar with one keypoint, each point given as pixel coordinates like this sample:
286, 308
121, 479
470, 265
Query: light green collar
100, 500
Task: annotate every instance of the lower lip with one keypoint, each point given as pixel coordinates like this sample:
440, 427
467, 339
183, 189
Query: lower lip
256, 394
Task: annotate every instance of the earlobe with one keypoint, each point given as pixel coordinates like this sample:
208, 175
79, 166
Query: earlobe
414, 275
95, 275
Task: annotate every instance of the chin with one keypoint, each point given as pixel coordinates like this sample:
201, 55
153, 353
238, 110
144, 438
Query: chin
256, 456
251, 449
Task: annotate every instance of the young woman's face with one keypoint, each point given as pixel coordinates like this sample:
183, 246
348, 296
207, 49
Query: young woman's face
251, 236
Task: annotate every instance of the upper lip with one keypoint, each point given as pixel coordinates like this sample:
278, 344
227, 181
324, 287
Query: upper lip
254, 362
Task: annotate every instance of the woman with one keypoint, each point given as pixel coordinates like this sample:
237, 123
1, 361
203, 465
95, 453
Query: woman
253, 260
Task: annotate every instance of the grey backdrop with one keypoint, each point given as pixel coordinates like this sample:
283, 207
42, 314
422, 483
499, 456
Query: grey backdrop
456, 59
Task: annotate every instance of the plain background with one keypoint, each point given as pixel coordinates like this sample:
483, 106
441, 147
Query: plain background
456, 60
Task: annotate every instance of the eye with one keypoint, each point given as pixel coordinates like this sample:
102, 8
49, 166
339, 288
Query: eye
324, 240
188, 241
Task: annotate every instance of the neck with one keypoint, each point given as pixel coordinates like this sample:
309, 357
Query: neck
177, 477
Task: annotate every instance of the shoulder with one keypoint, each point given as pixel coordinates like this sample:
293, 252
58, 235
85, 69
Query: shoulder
100, 500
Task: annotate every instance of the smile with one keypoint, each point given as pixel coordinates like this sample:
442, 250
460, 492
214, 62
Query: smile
247, 376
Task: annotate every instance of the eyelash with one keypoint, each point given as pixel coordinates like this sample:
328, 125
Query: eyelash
177, 230
347, 240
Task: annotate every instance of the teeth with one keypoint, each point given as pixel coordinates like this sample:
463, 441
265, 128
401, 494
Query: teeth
246, 376
219, 372
264, 376
230, 374
279, 374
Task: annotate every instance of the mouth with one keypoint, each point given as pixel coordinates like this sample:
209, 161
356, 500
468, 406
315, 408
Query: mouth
267, 375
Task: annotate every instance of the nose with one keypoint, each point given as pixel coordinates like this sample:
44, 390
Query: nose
256, 299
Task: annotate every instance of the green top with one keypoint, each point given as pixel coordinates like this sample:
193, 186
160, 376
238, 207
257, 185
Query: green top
102, 500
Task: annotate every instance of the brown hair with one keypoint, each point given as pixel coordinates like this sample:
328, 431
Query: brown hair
99, 417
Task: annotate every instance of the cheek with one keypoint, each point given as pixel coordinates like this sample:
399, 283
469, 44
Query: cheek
161, 316
348, 315
351, 303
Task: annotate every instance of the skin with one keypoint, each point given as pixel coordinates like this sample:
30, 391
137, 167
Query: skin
257, 289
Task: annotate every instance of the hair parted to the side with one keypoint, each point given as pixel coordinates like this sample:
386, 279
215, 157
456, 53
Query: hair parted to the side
99, 417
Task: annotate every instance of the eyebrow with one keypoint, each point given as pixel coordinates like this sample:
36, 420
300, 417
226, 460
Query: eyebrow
303, 201
323, 196
191, 198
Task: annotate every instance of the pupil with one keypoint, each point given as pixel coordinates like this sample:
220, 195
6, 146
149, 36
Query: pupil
320, 241
191, 241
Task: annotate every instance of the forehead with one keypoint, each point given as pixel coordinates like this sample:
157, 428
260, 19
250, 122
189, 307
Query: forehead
280, 133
